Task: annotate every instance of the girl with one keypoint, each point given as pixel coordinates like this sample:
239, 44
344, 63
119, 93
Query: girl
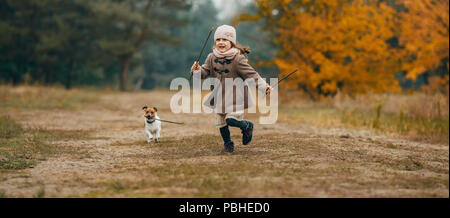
229, 60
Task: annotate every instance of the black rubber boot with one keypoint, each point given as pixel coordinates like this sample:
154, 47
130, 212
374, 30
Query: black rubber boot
228, 147
247, 134
225, 133
227, 142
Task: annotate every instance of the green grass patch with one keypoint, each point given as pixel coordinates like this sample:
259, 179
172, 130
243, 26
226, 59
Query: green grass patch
9, 128
24, 148
2, 193
40, 193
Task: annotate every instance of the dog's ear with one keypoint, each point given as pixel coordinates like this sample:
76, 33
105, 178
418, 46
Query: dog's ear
156, 109
144, 108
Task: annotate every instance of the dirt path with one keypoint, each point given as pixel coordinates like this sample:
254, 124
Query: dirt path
115, 150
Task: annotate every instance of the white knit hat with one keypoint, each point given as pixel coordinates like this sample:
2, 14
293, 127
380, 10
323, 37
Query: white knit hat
225, 32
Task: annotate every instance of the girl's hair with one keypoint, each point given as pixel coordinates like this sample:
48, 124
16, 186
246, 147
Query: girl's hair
245, 50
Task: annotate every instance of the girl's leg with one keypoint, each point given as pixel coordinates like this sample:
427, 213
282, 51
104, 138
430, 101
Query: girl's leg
245, 126
228, 144
237, 120
242, 124
225, 133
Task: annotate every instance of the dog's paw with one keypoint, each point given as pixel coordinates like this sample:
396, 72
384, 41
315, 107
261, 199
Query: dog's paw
157, 140
149, 140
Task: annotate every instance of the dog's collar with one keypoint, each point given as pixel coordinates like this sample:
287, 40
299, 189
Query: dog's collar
151, 122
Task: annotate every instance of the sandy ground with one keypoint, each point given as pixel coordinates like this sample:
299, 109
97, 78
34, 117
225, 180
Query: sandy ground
118, 119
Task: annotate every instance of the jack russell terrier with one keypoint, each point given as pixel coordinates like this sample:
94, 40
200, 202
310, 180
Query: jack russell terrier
152, 123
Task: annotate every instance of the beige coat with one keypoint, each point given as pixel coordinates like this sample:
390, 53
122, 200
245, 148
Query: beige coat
230, 67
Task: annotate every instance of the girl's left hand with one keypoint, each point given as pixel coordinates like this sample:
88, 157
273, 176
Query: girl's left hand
268, 89
195, 66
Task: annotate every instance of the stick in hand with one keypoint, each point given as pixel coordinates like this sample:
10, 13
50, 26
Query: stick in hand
285, 77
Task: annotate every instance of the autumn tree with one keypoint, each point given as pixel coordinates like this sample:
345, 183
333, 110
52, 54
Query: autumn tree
424, 36
338, 45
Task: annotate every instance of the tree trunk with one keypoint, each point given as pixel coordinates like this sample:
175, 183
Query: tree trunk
124, 72
69, 75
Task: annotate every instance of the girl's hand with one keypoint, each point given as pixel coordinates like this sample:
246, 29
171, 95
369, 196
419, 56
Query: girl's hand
195, 66
268, 90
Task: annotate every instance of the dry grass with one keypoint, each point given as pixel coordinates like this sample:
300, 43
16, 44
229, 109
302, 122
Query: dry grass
101, 151
23, 148
280, 166
41, 97
417, 116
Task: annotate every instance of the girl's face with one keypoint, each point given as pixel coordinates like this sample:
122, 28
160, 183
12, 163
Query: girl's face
223, 45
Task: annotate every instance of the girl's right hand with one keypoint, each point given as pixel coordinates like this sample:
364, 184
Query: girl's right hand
195, 66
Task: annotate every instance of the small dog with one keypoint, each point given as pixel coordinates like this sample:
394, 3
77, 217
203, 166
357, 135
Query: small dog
152, 123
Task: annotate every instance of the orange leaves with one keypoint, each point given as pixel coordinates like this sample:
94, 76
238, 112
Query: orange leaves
246, 17
356, 46
347, 48
424, 34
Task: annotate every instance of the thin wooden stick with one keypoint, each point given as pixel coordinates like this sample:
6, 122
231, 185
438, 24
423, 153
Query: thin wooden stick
201, 52
285, 77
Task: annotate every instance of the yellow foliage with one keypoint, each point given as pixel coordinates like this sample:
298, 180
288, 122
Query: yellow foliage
424, 31
347, 46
